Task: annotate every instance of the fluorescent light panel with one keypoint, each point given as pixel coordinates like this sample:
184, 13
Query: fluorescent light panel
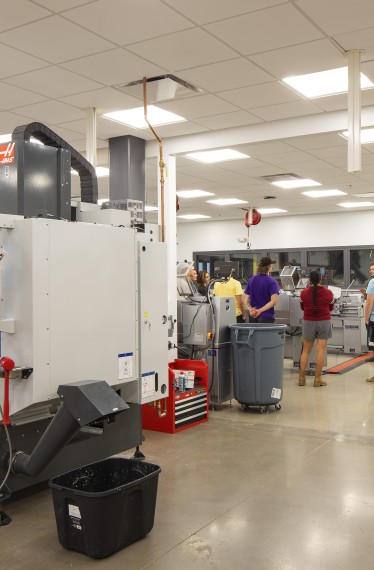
324, 83
101, 171
8, 138
271, 210
227, 201
323, 193
193, 216
299, 183
367, 136
356, 204
135, 117
212, 156
193, 193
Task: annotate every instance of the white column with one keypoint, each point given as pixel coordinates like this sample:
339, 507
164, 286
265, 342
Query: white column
91, 135
354, 110
171, 241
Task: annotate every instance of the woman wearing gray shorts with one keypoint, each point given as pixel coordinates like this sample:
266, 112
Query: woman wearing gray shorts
317, 302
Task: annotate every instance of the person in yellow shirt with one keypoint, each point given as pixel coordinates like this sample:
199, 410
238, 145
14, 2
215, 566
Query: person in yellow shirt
231, 288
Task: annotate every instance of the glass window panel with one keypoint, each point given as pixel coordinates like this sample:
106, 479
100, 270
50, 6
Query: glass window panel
282, 259
247, 264
330, 264
359, 261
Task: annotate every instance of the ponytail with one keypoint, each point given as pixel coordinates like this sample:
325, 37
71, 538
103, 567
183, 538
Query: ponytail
314, 278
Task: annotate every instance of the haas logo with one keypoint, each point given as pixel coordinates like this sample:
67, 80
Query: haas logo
7, 153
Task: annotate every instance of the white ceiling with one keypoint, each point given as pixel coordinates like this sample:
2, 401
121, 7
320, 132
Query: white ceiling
60, 58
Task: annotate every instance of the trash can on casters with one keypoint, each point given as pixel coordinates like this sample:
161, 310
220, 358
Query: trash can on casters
105, 506
258, 353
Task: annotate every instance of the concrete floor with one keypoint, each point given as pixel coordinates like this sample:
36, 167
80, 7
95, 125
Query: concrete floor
285, 490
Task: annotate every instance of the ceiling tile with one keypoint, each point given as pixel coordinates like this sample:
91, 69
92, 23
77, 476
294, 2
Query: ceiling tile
53, 82
286, 110
260, 95
359, 39
58, 6
339, 16
213, 10
114, 67
227, 120
199, 106
55, 40
304, 58
11, 97
9, 121
104, 100
25, 11
190, 48
50, 112
317, 141
268, 148
123, 26
225, 74
261, 31
20, 62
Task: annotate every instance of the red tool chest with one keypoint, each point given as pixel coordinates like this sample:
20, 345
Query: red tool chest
185, 408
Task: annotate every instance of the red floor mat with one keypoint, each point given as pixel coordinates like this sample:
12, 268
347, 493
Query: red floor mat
350, 364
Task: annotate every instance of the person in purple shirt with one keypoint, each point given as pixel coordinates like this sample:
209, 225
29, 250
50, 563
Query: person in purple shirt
261, 293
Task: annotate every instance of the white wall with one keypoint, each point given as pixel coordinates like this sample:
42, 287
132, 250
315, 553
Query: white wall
327, 230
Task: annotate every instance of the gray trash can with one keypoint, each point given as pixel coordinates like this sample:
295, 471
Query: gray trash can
258, 353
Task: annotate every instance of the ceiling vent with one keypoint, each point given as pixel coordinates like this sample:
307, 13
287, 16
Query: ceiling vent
279, 177
161, 88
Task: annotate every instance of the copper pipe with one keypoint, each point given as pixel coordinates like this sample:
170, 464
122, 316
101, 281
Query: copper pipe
159, 413
161, 160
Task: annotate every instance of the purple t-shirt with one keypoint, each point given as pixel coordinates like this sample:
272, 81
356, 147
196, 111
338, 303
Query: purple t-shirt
260, 288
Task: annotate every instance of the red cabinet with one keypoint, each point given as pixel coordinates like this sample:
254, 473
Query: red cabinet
185, 408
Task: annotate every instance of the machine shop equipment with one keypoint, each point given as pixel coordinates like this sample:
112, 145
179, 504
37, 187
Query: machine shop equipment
77, 305
347, 317
203, 333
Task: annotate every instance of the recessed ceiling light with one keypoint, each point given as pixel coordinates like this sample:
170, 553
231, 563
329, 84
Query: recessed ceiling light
193, 216
102, 171
364, 195
322, 193
300, 183
367, 136
193, 193
211, 156
227, 201
356, 204
135, 117
324, 83
150, 208
271, 210
8, 138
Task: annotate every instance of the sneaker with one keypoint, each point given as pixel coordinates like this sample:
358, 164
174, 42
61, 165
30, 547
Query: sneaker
370, 379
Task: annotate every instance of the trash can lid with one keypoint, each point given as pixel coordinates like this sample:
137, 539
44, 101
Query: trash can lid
258, 326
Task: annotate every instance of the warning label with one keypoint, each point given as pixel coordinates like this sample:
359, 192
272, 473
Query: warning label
7, 153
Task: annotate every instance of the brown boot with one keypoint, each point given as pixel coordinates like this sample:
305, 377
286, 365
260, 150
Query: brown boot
319, 382
302, 379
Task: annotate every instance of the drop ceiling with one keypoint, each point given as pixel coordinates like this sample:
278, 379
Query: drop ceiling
60, 58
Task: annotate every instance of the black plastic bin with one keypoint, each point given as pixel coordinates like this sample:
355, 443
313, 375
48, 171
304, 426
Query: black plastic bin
105, 506
258, 353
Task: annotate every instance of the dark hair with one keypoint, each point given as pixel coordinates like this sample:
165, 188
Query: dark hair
201, 277
314, 278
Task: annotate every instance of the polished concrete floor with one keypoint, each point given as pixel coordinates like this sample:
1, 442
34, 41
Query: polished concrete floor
286, 490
